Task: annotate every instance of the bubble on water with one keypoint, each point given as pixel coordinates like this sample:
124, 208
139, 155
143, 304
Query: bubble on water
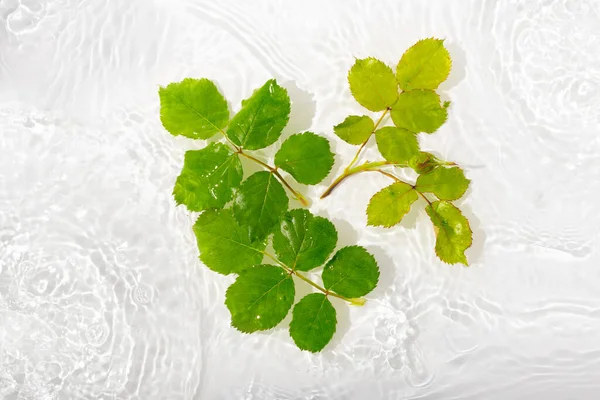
397, 359
96, 334
142, 294
418, 375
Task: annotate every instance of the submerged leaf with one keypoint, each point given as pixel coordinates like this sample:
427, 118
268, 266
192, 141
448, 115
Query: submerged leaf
224, 245
419, 111
313, 322
444, 183
208, 178
354, 129
260, 203
262, 118
260, 298
193, 108
424, 162
373, 84
388, 206
303, 241
305, 156
397, 144
424, 66
351, 272
453, 232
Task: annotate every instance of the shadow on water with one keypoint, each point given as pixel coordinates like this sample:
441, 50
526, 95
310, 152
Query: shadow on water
387, 271
459, 70
303, 109
342, 310
347, 235
475, 252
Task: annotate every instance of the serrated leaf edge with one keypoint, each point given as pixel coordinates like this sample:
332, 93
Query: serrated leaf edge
416, 43
279, 283
466, 263
388, 226
366, 251
376, 59
325, 298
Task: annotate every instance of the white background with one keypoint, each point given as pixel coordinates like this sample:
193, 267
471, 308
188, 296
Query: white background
101, 292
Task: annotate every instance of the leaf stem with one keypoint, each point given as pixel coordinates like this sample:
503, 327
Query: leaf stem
368, 166
362, 146
274, 171
355, 302
236, 147
349, 170
394, 177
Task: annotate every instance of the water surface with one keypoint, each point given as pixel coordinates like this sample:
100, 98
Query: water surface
101, 292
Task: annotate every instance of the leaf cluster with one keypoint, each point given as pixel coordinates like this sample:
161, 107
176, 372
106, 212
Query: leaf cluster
241, 216
408, 95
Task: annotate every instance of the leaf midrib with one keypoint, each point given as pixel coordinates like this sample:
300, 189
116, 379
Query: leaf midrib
262, 208
312, 324
302, 159
268, 291
234, 241
379, 214
251, 125
192, 109
421, 67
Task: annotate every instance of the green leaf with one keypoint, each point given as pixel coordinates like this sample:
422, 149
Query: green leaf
445, 183
419, 111
424, 66
260, 298
260, 203
313, 322
388, 206
373, 84
453, 232
224, 245
193, 108
397, 144
351, 272
305, 156
208, 177
424, 162
355, 129
303, 241
262, 117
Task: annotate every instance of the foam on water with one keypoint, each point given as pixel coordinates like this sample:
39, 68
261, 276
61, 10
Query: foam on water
101, 292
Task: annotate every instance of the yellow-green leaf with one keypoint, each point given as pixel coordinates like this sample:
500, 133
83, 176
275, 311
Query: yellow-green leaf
419, 111
193, 108
388, 206
424, 66
397, 144
373, 84
452, 230
355, 129
445, 183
